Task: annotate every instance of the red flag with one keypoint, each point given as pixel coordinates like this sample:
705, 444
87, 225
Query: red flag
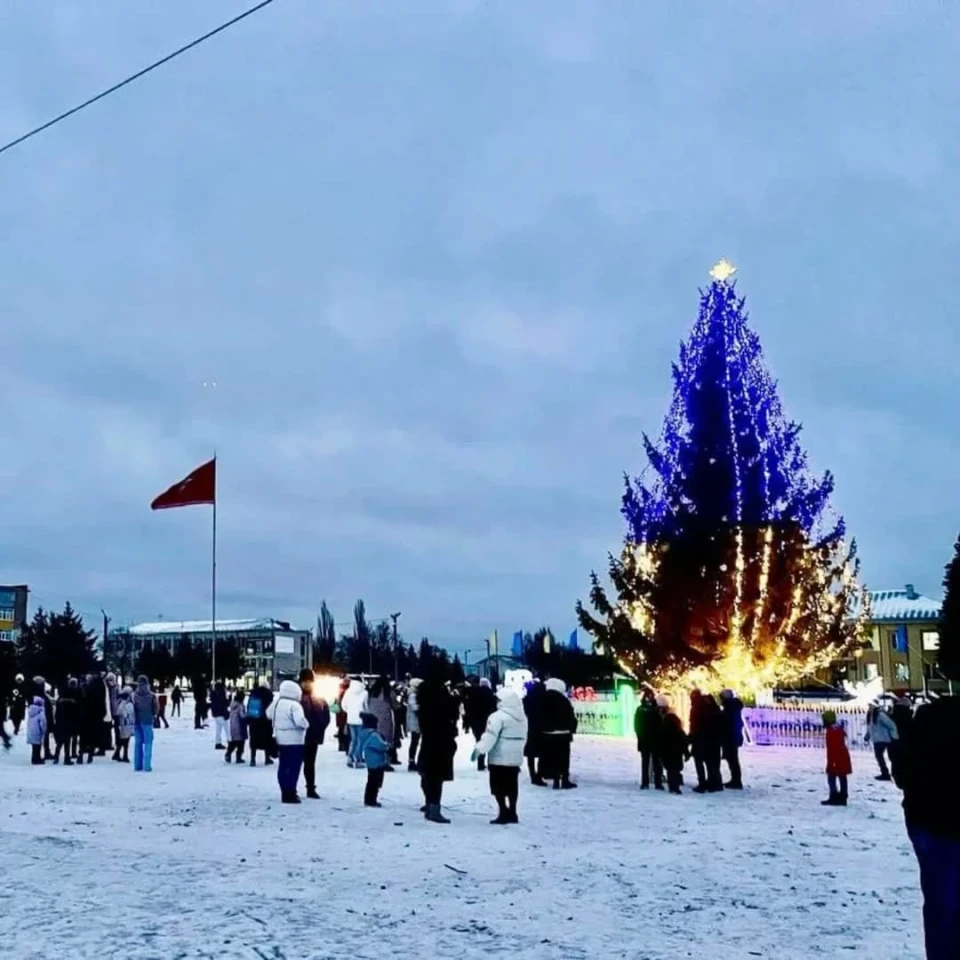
199, 487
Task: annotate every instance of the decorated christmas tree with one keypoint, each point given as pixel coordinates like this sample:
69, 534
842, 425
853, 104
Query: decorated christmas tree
734, 571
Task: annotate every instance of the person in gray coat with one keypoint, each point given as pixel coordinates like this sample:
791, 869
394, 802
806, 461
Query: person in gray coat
126, 725
145, 711
380, 704
237, 723
883, 734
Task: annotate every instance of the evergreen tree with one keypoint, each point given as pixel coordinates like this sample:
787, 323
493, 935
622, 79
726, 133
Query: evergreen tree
157, 664
56, 645
948, 658
231, 662
732, 572
325, 642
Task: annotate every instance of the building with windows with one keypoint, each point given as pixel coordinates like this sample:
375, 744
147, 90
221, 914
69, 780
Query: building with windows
901, 642
13, 611
273, 650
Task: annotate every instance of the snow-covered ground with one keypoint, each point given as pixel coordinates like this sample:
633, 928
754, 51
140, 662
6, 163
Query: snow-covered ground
199, 859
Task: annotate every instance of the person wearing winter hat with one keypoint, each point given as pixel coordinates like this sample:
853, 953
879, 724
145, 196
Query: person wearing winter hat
502, 744
558, 726
375, 753
36, 730
290, 730
126, 725
839, 766
648, 727
145, 711
731, 736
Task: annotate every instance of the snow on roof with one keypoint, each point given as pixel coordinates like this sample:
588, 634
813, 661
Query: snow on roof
203, 626
901, 605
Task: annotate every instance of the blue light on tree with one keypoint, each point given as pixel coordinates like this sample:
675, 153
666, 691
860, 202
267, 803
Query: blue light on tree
733, 565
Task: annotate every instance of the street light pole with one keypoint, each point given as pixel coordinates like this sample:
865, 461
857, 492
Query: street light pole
396, 655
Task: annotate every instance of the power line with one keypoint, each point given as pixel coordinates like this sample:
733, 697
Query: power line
136, 76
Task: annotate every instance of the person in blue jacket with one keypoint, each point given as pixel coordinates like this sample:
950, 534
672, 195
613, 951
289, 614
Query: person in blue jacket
317, 712
375, 752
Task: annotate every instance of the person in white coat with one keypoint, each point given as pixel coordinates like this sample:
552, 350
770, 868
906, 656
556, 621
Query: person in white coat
503, 745
354, 703
290, 731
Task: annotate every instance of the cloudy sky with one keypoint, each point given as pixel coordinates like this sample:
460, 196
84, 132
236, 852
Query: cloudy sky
437, 258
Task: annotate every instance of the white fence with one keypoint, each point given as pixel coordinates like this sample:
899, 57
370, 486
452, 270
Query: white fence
802, 726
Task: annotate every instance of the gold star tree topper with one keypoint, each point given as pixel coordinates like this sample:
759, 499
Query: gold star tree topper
723, 270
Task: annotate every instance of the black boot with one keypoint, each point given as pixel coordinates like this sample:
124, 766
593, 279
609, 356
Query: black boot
503, 817
434, 815
312, 793
289, 796
567, 784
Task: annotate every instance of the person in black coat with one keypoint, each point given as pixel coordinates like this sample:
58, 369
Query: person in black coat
732, 736
533, 707
933, 824
258, 723
674, 747
480, 703
558, 724
706, 722
91, 706
317, 712
648, 726
66, 723
438, 713
200, 708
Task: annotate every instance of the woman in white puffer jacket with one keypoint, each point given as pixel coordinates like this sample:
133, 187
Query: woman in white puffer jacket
354, 703
289, 730
502, 744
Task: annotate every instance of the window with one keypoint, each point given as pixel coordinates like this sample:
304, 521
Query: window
870, 671
901, 673
6, 613
931, 640
6, 635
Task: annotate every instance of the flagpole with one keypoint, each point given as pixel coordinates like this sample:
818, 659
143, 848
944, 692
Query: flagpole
213, 585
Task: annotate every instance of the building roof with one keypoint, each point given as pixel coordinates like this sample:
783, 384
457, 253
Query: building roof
899, 606
204, 626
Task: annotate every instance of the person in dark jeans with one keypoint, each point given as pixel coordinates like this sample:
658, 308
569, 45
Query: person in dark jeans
731, 728
176, 698
317, 712
930, 811
199, 702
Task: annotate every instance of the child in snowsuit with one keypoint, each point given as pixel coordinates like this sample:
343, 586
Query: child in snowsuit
839, 766
238, 727
674, 746
36, 729
126, 725
375, 753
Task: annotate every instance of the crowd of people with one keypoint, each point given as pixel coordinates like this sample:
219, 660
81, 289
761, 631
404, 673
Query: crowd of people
714, 733
87, 717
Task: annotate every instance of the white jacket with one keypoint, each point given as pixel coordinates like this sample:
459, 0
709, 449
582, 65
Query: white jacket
506, 735
354, 702
286, 714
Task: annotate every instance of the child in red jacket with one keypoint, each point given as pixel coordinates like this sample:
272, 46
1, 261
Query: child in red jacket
839, 766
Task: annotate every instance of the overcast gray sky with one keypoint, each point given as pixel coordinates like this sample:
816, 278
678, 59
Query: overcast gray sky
438, 258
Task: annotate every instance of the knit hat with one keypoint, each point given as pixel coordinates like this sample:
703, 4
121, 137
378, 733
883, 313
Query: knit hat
662, 701
829, 717
368, 720
484, 682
